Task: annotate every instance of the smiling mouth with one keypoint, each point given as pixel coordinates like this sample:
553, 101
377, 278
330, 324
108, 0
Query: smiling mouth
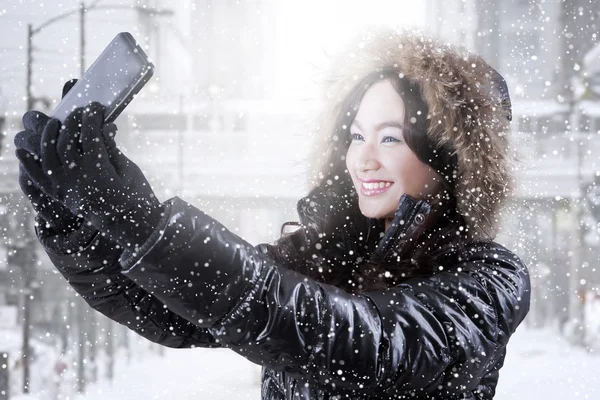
372, 189
376, 185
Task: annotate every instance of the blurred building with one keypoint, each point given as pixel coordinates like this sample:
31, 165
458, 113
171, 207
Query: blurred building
223, 142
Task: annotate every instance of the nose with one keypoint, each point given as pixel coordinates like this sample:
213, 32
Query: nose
368, 159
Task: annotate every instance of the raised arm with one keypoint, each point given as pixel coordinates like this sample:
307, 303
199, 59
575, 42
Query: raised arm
89, 262
443, 333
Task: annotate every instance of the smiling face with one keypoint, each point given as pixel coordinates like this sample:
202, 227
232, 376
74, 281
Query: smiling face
381, 165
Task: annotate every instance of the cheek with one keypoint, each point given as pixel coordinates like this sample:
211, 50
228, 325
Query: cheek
398, 165
406, 168
417, 177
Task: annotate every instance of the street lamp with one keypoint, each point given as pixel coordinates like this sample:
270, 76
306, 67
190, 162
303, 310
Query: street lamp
30, 102
81, 10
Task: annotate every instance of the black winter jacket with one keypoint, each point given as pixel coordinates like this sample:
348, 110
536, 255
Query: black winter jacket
196, 284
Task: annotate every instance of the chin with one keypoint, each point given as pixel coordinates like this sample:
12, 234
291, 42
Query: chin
380, 208
378, 213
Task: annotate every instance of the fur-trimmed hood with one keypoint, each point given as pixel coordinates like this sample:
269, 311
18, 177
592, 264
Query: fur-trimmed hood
469, 113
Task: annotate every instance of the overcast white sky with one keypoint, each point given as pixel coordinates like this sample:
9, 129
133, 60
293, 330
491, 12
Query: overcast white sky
325, 26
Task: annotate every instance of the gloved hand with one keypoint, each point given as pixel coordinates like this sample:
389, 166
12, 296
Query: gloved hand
94, 181
53, 216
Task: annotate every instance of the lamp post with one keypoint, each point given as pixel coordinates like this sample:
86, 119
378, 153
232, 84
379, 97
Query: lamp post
576, 312
81, 10
30, 33
30, 103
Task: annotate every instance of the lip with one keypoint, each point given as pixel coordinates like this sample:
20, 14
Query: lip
374, 192
372, 180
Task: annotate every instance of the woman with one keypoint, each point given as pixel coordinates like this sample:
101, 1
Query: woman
392, 287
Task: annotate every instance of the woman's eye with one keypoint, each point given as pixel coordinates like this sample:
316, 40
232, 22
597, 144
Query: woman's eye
357, 136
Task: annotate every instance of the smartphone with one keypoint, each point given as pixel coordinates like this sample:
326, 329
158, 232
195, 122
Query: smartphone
113, 80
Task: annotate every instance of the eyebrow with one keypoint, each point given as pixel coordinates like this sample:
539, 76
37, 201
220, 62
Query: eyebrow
381, 125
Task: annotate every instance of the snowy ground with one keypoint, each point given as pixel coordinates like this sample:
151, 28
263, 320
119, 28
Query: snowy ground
539, 365
542, 365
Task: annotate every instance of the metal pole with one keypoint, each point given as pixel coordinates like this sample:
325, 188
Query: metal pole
26, 322
92, 340
110, 350
575, 304
82, 10
82, 344
4, 376
82, 39
29, 100
557, 310
126, 342
66, 323
80, 304
28, 265
180, 148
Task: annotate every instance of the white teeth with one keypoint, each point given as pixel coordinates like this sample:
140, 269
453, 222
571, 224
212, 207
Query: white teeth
376, 185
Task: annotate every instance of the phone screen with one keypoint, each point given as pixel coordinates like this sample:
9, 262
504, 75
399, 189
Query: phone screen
112, 80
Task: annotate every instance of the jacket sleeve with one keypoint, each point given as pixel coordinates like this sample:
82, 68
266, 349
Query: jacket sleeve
437, 333
89, 262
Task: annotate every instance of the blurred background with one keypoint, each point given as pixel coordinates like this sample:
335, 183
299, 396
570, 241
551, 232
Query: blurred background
225, 124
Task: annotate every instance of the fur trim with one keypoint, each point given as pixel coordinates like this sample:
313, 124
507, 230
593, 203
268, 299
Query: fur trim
465, 112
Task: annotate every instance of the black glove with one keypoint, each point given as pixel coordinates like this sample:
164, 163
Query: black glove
94, 181
52, 215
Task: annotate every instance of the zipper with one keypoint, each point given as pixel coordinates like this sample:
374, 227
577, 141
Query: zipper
407, 211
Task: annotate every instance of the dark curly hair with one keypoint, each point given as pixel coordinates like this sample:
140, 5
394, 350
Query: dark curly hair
335, 240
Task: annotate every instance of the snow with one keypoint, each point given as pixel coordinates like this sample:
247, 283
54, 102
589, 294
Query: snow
539, 364
180, 374
262, 156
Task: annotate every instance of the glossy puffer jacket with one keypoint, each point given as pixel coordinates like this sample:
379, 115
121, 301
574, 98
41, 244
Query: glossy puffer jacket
442, 336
